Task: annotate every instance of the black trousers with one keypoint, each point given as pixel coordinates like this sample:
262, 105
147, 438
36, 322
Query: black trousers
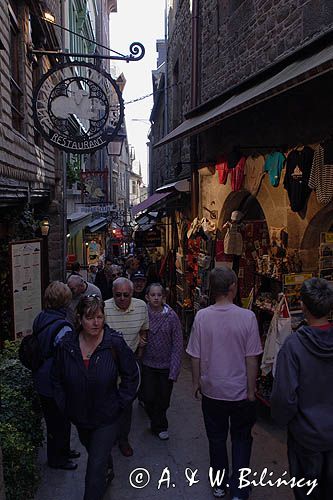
58, 432
98, 443
240, 417
156, 394
311, 465
125, 423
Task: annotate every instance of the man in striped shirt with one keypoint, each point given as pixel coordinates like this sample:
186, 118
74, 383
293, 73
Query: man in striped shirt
129, 316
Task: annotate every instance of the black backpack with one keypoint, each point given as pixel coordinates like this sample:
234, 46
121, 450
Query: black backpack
30, 352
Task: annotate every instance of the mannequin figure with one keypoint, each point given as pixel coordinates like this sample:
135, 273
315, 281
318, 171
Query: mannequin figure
233, 240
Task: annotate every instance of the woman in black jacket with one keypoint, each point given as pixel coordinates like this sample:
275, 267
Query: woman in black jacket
85, 376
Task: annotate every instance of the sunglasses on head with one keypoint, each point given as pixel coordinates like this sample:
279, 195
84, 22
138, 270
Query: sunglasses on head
93, 296
124, 294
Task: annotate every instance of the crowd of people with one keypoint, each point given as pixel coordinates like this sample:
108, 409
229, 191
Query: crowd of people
103, 343
108, 342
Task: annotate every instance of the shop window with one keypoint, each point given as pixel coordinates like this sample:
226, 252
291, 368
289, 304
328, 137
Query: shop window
15, 67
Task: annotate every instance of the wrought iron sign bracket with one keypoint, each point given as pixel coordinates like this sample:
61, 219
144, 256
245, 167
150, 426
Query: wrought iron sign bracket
137, 52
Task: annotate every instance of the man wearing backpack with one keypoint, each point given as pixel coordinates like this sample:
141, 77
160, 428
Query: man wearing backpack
49, 327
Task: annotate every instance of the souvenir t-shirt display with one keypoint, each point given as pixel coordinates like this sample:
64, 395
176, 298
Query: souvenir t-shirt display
273, 166
296, 180
254, 173
321, 176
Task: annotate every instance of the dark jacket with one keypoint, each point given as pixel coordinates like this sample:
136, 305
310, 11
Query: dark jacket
104, 284
90, 397
302, 394
47, 324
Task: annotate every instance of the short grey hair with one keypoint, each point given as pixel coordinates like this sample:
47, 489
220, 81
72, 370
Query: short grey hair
75, 280
221, 279
123, 281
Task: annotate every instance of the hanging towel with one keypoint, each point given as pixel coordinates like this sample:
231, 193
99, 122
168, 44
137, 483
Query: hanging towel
254, 173
321, 176
273, 166
237, 175
223, 171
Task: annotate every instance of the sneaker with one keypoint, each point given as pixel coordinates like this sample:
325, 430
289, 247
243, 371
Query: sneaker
163, 435
219, 492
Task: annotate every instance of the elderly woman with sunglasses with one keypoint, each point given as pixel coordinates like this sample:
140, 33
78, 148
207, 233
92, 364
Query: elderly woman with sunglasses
85, 375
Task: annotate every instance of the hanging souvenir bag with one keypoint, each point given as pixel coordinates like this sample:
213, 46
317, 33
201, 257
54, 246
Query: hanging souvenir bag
279, 330
283, 328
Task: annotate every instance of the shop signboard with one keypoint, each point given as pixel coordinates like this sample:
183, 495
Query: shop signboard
94, 186
150, 239
26, 272
326, 237
78, 107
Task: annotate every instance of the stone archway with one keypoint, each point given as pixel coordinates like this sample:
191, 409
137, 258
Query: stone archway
238, 200
320, 223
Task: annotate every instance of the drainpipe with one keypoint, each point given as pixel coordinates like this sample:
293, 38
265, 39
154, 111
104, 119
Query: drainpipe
194, 103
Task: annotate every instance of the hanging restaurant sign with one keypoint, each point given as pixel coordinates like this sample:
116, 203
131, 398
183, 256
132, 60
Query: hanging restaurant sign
78, 107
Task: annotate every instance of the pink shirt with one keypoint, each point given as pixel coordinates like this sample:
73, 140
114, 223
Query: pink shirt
222, 336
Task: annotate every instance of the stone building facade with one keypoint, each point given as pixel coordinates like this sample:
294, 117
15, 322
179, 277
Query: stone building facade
30, 169
220, 51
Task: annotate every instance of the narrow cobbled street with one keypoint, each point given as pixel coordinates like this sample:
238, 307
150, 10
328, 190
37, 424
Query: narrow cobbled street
187, 448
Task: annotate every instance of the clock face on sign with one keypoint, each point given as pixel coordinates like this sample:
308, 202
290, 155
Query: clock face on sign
78, 107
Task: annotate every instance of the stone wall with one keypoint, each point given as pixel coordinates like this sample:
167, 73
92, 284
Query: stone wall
239, 38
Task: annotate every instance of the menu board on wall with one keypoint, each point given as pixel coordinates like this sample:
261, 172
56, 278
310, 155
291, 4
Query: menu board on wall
26, 284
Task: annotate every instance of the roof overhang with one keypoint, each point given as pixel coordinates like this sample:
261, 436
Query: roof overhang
296, 73
149, 202
183, 186
97, 225
77, 221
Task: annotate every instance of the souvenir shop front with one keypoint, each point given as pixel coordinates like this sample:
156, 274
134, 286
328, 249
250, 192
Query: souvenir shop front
274, 214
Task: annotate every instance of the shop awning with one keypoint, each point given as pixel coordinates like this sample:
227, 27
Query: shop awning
292, 75
183, 186
149, 202
77, 221
97, 225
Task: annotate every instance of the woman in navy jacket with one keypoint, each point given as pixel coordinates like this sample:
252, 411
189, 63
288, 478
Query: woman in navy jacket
85, 377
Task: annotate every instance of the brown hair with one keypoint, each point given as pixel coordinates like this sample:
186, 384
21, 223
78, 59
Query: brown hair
220, 280
57, 295
149, 287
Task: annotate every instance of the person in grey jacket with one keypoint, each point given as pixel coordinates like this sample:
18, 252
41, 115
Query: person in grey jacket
302, 396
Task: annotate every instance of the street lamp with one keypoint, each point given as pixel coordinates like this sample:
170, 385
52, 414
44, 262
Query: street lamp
44, 225
115, 147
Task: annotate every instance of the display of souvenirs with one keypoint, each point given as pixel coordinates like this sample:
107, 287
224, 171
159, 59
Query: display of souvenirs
326, 256
265, 301
292, 284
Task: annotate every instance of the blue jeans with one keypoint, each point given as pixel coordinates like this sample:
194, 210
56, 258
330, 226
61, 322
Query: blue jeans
240, 416
98, 443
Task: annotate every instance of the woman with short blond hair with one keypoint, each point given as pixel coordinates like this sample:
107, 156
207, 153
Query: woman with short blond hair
50, 327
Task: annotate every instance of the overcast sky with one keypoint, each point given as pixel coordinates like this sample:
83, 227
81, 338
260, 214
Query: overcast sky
138, 21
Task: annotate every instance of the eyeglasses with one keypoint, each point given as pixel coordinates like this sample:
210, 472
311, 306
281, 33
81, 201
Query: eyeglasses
126, 295
115, 275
